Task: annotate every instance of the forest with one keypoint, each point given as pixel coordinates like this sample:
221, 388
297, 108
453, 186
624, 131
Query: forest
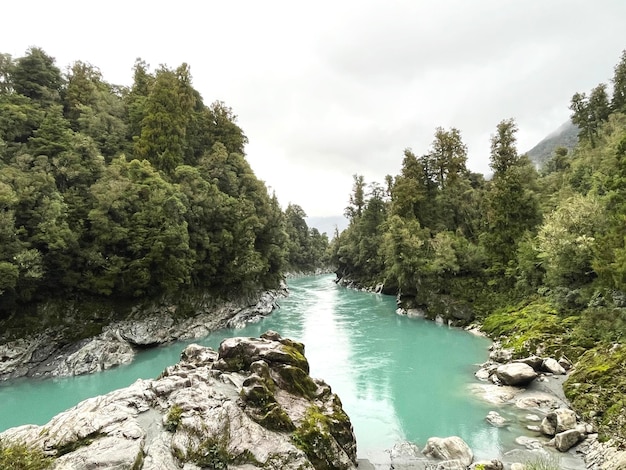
112, 192
536, 256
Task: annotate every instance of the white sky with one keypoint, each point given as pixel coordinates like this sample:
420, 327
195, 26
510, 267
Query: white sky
327, 89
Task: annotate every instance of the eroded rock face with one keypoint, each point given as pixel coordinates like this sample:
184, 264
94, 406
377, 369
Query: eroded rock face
250, 405
48, 354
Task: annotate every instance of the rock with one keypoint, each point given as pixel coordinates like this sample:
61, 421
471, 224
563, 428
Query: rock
449, 448
565, 440
529, 442
97, 354
483, 373
487, 465
537, 400
450, 465
200, 415
532, 417
501, 355
518, 466
559, 420
405, 455
494, 418
616, 461
516, 374
565, 363
148, 332
533, 361
533, 428
49, 354
552, 366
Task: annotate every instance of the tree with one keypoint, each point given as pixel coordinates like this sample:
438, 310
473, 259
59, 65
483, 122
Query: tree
357, 198
503, 148
566, 241
409, 192
588, 113
513, 207
618, 101
449, 155
6, 69
139, 232
36, 76
167, 113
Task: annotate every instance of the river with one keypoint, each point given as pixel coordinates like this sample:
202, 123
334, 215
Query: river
399, 378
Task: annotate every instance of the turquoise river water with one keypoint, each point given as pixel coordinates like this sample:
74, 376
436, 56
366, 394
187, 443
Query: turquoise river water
399, 378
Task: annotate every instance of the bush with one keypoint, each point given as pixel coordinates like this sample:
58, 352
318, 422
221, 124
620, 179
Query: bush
17, 456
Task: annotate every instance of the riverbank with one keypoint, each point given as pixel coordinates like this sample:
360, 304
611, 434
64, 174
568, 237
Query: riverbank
52, 352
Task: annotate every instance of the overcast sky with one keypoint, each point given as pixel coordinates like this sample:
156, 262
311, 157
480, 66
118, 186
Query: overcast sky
327, 89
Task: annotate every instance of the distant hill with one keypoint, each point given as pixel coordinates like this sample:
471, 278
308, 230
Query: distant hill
327, 224
565, 136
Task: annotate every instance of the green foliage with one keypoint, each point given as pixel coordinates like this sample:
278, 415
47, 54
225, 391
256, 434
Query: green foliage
543, 463
173, 419
16, 456
80, 220
566, 241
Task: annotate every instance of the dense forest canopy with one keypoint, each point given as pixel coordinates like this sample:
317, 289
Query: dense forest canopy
539, 256
131, 192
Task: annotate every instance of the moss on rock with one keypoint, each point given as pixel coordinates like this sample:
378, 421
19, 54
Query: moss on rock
528, 327
595, 389
296, 381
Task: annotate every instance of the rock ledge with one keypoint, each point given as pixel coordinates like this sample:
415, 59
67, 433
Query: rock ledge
250, 405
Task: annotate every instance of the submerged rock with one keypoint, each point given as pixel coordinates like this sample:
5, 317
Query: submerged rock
250, 405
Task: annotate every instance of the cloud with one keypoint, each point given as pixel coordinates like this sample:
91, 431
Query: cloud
328, 89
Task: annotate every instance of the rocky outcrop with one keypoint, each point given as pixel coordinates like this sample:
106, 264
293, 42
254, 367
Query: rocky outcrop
249, 405
48, 354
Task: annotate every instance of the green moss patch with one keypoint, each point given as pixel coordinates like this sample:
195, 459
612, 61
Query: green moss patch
296, 381
527, 327
596, 389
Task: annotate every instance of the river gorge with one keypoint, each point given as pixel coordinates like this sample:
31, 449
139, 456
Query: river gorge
399, 378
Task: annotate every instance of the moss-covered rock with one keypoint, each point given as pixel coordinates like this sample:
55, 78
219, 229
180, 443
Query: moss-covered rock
531, 328
313, 437
596, 389
262, 407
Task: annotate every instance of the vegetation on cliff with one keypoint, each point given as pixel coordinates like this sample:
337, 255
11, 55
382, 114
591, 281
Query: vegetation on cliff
539, 257
112, 192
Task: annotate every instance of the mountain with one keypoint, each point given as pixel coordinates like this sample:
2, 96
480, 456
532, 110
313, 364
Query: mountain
565, 136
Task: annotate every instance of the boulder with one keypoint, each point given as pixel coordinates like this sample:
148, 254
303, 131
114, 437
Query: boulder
533, 361
406, 455
449, 448
565, 363
516, 374
565, 440
200, 415
559, 420
551, 365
